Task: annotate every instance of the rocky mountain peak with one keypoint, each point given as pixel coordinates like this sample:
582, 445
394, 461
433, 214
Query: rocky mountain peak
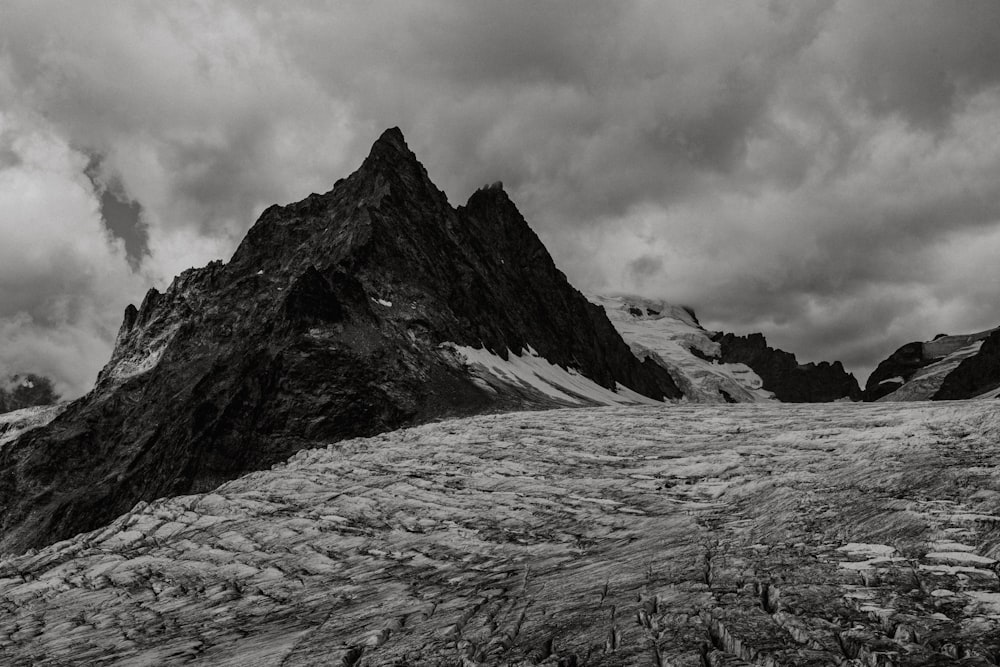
391, 153
392, 166
495, 221
784, 376
373, 306
491, 196
392, 140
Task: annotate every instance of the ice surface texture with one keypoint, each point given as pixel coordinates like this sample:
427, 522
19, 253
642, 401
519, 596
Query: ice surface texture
762, 534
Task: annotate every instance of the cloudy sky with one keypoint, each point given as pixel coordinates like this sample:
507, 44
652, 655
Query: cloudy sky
827, 172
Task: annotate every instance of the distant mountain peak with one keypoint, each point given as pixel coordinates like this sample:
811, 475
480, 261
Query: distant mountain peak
946, 367
392, 144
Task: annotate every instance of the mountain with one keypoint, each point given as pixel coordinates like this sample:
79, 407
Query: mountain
717, 367
783, 375
373, 306
700, 536
27, 402
945, 367
671, 336
977, 376
16, 422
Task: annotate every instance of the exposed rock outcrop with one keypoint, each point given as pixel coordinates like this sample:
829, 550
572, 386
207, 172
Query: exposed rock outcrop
976, 375
891, 373
333, 319
918, 370
784, 376
16, 422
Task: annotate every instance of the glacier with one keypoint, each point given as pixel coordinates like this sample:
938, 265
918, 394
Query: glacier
765, 533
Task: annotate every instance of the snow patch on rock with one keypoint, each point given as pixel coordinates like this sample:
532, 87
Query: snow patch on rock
141, 355
960, 557
533, 372
995, 393
13, 424
950, 351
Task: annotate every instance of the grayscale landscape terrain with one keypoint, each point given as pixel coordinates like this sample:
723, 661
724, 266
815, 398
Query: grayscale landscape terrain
695, 535
668, 334
609, 505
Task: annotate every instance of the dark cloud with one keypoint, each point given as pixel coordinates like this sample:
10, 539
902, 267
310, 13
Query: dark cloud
121, 215
123, 219
825, 171
644, 267
923, 59
8, 158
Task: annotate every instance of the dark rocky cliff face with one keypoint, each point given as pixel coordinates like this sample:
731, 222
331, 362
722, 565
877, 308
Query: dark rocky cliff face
902, 363
326, 324
978, 374
783, 375
952, 366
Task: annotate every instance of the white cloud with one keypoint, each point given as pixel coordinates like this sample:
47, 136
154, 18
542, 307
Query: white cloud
62, 277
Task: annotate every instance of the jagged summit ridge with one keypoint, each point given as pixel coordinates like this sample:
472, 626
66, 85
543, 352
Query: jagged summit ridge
393, 139
783, 375
340, 315
391, 159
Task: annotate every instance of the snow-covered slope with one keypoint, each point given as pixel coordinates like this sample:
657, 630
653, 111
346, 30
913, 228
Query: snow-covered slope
993, 393
931, 363
926, 381
672, 336
701, 535
539, 379
13, 424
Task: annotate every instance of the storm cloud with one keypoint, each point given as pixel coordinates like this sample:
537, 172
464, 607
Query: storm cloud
827, 172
